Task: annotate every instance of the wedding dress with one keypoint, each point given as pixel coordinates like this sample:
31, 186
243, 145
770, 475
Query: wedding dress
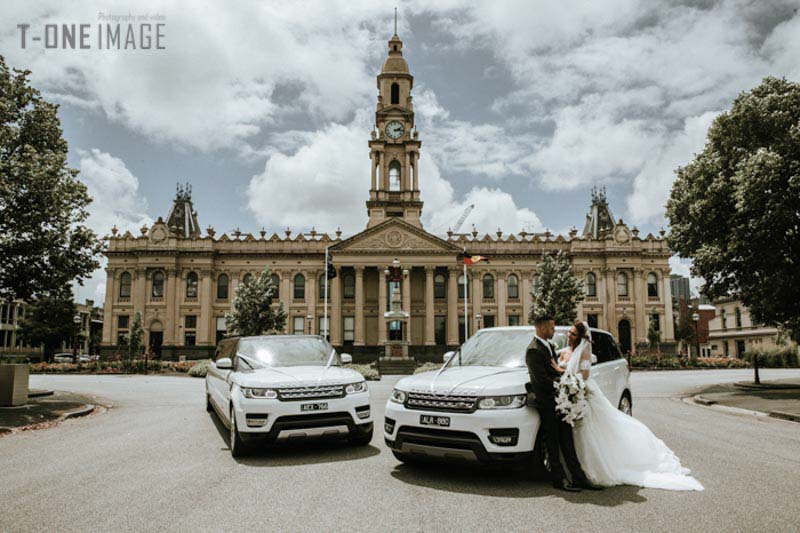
615, 448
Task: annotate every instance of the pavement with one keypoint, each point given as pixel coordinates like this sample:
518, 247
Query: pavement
44, 409
156, 461
778, 398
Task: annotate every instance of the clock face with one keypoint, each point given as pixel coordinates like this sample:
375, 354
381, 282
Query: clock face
395, 130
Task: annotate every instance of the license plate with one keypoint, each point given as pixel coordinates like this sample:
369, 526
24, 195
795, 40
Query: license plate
314, 406
430, 420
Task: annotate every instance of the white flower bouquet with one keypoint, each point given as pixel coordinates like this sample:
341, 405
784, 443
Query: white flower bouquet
571, 397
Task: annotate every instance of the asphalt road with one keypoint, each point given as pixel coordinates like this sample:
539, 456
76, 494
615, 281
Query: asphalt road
157, 461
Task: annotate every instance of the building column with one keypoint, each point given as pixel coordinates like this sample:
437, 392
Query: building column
669, 326
640, 302
108, 317
359, 332
452, 305
374, 167
382, 303
405, 286
335, 310
415, 164
501, 296
140, 292
477, 299
407, 173
430, 323
383, 184
204, 335
286, 295
171, 300
609, 303
311, 301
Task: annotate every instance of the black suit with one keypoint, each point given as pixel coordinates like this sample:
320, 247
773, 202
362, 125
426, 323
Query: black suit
558, 434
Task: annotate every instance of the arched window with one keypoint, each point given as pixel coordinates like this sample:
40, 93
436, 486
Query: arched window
622, 284
299, 287
652, 285
395, 94
322, 288
439, 286
125, 285
158, 285
591, 284
349, 283
461, 287
394, 176
276, 285
488, 287
222, 287
191, 285
513, 287
247, 278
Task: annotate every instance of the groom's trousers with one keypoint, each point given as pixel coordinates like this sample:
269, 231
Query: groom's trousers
558, 437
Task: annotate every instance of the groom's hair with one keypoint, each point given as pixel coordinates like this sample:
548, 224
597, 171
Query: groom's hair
542, 319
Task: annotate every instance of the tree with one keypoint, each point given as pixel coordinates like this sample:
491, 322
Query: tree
558, 292
734, 208
135, 337
44, 244
253, 313
49, 322
654, 336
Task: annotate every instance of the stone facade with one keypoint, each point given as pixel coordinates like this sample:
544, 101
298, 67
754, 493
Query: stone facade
184, 282
732, 332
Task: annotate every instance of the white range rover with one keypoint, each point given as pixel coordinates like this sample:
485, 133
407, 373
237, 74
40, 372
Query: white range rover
474, 407
283, 387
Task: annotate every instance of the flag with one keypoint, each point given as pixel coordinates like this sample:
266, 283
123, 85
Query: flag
470, 259
331, 270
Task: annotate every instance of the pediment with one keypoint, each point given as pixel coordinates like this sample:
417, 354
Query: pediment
395, 236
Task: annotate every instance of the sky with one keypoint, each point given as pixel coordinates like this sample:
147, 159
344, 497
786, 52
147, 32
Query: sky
522, 106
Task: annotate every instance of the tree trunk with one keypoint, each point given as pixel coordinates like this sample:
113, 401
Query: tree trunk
756, 378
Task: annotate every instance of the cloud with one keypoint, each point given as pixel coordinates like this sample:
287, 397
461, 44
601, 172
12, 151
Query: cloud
116, 201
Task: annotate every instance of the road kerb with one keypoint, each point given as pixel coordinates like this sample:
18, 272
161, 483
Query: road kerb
711, 404
785, 416
83, 411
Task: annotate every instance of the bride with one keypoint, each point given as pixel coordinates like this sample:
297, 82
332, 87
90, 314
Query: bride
614, 448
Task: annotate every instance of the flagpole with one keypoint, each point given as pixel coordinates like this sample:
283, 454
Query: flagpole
325, 307
466, 292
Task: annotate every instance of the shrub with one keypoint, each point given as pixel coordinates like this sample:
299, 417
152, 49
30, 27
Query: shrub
427, 367
199, 370
784, 357
369, 372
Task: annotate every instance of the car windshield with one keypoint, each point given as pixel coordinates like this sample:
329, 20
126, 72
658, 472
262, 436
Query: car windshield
287, 351
504, 348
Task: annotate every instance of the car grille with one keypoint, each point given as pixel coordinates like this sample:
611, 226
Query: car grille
292, 394
441, 402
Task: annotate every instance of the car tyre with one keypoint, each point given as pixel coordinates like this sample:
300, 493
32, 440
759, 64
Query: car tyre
363, 439
237, 445
625, 404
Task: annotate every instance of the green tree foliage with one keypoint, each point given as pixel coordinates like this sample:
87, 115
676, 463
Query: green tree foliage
135, 337
253, 313
653, 336
734, 208
558, 291
44, 244
49, 322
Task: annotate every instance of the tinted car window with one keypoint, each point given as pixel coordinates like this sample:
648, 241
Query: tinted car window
601, 348
616, 353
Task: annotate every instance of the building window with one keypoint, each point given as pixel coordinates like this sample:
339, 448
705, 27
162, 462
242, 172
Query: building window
488, 287
655, 319
591, 319
222, 328
488, 321
158, 285
461, 331
322, 286
299, 287
440, 329
622, 284
122, 327
726, 348
247, 278
191, 285
723, 319
299, 325
395, 96
276, 285
652, 285
394, 176
5, 317
513, 287
513, 320
324, 327
737, 313
537, 283
190, 338
349, 327
439, 286
122, 322
222, 287
190, 335
190, 321
125, 285
462, 286
591, 285
349, 286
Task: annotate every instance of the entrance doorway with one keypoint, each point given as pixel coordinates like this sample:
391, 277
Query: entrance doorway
156, 338
624, 334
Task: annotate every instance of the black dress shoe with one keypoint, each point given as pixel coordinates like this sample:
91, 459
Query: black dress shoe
565, 485
588, 485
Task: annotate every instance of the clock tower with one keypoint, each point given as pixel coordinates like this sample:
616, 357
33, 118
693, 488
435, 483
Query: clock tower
394, 147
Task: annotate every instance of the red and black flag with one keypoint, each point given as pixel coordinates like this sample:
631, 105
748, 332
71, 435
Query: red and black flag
470, 259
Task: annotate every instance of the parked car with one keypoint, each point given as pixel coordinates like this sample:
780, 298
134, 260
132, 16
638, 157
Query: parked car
474, 407
65, 357
279, 388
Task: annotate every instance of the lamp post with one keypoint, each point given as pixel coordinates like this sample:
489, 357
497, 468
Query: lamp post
76, 320
309, 318
696, 319
478, 318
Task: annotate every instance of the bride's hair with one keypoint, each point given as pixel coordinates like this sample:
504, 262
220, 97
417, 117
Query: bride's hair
583, 334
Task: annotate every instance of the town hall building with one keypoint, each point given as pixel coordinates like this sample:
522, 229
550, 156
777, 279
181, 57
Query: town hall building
182, 281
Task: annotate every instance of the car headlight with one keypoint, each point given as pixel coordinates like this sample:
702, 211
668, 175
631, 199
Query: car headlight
264, 394
398, 396
353, 388
502, 402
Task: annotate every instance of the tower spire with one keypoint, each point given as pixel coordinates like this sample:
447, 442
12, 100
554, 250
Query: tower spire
395, 20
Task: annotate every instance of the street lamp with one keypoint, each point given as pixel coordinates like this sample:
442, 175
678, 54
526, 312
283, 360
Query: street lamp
309, 318
478, 318
76, 320
696, 319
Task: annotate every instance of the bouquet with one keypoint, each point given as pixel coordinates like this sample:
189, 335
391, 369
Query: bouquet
571, 397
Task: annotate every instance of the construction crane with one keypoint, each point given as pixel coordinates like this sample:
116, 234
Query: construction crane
463, 217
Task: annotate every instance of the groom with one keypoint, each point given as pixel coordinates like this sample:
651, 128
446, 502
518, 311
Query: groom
558, 434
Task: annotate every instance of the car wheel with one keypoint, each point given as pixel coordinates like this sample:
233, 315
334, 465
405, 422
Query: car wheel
237, 445
625, 404
363, 439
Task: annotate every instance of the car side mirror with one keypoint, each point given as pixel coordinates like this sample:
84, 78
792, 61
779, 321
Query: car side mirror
594, 359
224, 363
448, 356
346, 358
